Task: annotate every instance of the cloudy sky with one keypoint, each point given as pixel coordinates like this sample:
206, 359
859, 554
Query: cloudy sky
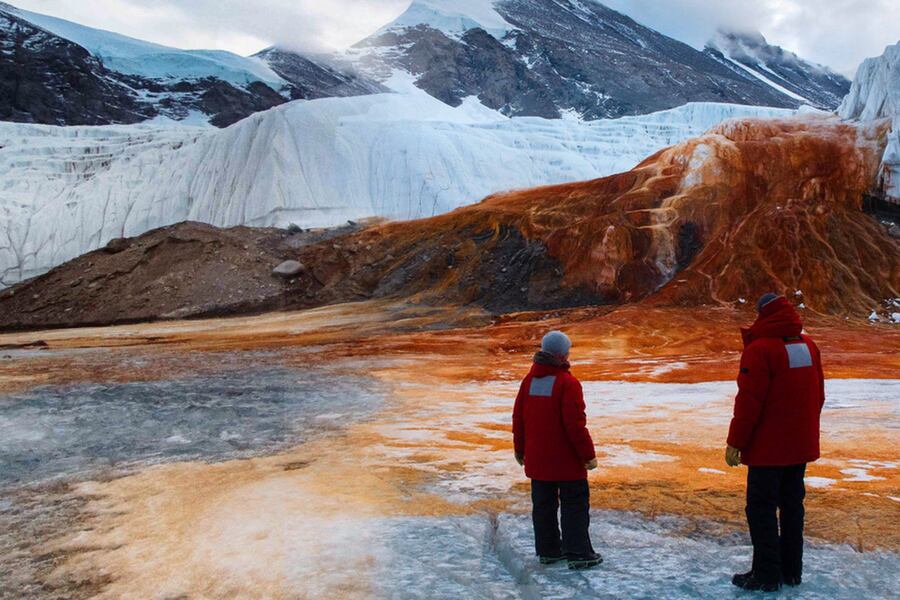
838, 33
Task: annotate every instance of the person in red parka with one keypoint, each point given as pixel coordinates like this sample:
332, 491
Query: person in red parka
552, 441
775, 432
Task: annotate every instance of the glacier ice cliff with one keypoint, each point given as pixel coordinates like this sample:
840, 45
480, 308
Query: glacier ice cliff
875, 94
68, 190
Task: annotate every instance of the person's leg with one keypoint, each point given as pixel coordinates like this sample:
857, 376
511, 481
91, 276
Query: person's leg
791, 506
574, 497
762, 502
545, 504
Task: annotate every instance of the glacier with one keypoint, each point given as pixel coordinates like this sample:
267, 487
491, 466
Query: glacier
68, 190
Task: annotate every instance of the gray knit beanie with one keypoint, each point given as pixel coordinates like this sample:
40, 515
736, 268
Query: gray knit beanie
765, 299
556, 343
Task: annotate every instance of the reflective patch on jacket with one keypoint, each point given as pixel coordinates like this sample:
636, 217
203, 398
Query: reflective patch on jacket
798, 355
542, 386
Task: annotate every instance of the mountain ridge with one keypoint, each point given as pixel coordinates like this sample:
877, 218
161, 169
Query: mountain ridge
546, 58
568, 56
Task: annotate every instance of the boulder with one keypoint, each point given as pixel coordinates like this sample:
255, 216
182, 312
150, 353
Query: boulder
288, 268
116, 245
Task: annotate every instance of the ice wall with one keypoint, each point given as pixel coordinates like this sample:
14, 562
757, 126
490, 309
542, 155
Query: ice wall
875, 94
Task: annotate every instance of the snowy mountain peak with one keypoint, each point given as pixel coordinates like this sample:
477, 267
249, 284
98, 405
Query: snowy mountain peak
453, 17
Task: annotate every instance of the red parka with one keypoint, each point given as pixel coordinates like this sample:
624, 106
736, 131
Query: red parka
781, 390
550, 426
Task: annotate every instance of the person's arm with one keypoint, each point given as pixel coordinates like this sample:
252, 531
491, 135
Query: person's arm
753, 386
575, 421
518, 424
818, 358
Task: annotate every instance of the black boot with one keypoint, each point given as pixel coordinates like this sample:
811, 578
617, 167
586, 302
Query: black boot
793, 580
551, 560
749, 581
585, 561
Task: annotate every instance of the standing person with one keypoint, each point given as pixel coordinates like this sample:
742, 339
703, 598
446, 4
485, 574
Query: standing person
551, 439
775, 432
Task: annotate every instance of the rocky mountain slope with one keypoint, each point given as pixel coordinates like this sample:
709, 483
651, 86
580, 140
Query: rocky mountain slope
875, 94
551, 57
311, 79
66, 191
47, 79
750, 206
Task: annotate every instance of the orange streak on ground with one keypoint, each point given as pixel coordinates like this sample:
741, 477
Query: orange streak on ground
634, 343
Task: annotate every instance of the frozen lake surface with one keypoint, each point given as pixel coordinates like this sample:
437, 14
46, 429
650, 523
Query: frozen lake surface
55, 435
91, 429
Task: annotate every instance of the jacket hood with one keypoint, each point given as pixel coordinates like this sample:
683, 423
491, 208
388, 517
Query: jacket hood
778, 319
539, 370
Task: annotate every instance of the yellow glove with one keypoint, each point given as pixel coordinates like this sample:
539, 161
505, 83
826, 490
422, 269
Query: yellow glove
591, 464
732, 456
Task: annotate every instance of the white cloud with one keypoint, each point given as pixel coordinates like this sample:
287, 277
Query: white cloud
241, 26
838, 33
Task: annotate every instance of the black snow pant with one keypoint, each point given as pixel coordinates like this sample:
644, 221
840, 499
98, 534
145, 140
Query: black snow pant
573, 498
776, 554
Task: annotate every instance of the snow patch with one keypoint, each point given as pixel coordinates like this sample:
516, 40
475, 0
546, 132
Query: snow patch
859, 475
666, 367
819, 482
623, 455
766, 80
